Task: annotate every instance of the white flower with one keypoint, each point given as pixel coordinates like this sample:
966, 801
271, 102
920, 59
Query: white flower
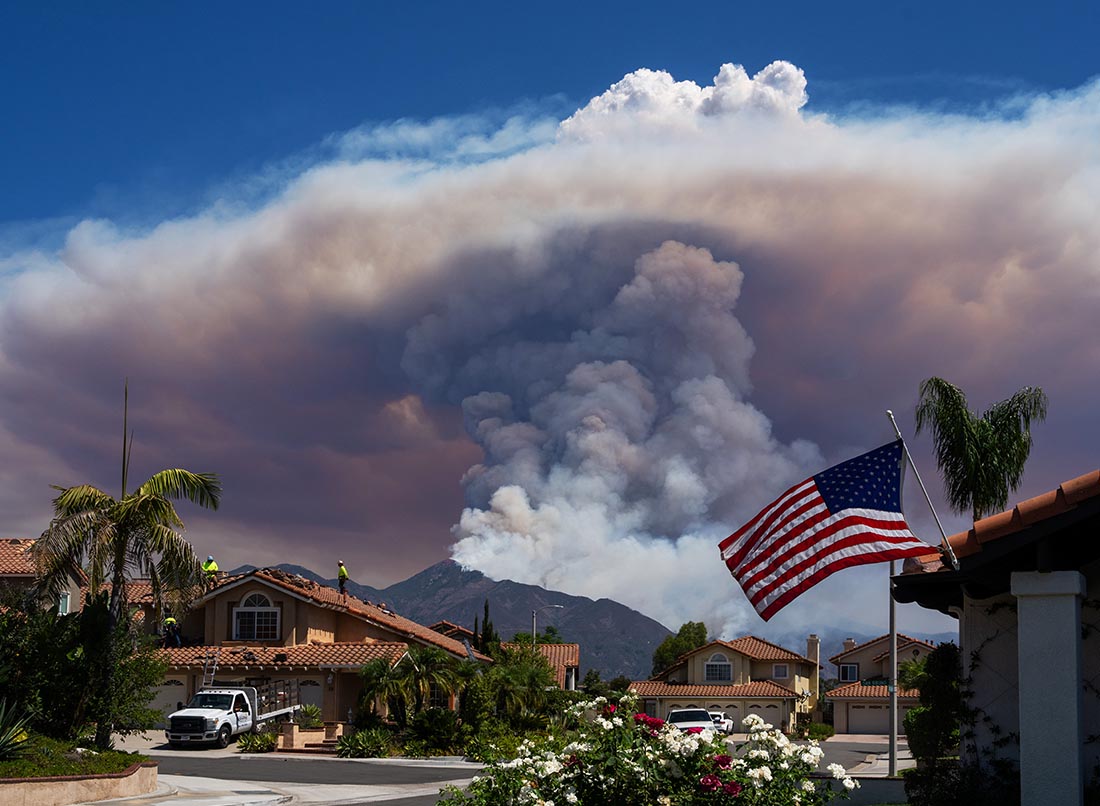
836, 771
759, 776
807, 786
850, 784
571, 798
751, 721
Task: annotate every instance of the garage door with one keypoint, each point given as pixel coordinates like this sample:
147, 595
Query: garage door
166, 697
871, 719
868, 718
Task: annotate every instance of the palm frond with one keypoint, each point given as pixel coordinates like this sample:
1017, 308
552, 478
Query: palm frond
82, 497
204, 489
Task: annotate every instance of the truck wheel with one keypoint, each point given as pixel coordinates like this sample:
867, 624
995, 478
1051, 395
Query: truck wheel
224, 734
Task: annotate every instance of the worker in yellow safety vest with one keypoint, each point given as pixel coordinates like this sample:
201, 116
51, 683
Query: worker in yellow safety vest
171, 632
342, 576
210, 569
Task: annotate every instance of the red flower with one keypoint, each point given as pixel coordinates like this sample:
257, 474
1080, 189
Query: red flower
710, 783
723, 761
733, 789
694, 730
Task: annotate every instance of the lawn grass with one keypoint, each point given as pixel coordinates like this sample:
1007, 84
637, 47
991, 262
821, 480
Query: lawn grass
42, 758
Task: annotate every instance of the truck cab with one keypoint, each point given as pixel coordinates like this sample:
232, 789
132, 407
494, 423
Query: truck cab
213, 715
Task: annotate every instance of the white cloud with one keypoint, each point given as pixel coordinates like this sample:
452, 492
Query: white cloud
689, 298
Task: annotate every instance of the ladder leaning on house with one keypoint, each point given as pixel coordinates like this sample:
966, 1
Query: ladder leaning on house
210, 666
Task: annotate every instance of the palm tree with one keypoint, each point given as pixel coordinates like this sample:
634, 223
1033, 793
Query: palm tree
385, 682
138, 534
430, 668
981, 458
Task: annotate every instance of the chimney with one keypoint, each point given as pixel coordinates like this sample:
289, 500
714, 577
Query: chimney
813, 652
849, 643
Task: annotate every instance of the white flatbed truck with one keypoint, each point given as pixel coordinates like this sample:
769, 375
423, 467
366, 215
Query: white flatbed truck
218, 713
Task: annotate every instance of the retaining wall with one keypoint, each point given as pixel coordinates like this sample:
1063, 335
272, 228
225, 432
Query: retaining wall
139, 779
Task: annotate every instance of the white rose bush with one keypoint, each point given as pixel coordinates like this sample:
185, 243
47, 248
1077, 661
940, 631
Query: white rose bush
612, 755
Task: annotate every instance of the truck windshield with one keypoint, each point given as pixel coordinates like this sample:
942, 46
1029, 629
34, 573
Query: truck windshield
219, 701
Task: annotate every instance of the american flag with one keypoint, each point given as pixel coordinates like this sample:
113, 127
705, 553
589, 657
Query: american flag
847, 515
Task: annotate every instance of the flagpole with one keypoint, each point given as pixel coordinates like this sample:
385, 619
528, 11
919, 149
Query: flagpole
923, 489
892, 687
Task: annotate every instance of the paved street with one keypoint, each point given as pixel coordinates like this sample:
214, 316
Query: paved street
209, 776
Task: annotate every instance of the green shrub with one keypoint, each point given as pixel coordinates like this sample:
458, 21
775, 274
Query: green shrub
437, 729
13, 731
819, 731
257, 742
42, 756
496, 741
370, 743
309, 716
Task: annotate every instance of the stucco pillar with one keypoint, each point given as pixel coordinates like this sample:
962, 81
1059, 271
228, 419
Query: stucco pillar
1049, 617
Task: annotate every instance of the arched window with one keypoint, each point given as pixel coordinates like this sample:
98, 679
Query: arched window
718, 669
255, 619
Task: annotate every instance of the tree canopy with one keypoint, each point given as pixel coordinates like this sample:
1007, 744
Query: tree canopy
691, 635
981, 458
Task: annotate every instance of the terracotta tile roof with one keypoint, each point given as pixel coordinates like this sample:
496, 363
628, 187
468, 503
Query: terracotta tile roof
758, 688
858, 691
560, 656
902, 639
913, 642
759, 649
286, 658
748, 645
15, 559
1067, 496
368, 611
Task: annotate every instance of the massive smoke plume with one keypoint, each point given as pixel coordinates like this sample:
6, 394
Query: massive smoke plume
622, 335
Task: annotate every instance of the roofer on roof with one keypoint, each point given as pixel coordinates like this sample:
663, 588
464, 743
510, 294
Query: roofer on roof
342, 577
210, 569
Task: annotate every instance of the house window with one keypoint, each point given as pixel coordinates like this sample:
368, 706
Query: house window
256, 619
849, 672
437, 697
63, 604
780, 671
718, 669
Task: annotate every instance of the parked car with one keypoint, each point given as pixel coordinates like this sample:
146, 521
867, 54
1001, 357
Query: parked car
722, 722
688, 718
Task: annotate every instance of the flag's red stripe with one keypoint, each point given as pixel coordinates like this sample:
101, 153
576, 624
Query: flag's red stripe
766, 515
761, 538
784, 574
810, 537
838, 547
764, 550
832, 568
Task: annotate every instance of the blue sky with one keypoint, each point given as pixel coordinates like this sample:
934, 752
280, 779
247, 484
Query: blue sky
113, 108
562, 292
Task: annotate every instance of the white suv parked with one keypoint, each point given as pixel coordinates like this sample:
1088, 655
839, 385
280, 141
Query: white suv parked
687, 718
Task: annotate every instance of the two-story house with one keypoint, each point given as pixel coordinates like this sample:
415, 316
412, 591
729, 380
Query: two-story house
268, 625
745, 676
861, 703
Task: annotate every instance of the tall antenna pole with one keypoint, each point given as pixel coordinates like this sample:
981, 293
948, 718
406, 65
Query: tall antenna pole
923, 489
